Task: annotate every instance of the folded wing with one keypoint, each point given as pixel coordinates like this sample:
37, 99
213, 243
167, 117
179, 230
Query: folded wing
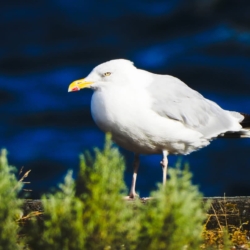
174, 99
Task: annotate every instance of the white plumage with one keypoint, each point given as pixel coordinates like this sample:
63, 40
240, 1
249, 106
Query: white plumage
153, 114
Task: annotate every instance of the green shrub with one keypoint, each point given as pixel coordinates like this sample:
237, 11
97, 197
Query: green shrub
90, 213
9, 204
108, 219
96, 217
61, 226
173, 220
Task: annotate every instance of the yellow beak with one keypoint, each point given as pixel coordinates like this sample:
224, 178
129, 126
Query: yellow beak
78, 85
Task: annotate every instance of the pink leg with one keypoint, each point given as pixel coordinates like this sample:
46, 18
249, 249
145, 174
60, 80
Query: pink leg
164, 164
136, 164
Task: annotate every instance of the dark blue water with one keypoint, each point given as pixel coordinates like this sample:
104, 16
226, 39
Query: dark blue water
47, 44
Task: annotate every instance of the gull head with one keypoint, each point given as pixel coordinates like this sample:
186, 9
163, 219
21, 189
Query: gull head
119, 71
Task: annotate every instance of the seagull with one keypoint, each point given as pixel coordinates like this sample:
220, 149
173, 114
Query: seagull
149, 113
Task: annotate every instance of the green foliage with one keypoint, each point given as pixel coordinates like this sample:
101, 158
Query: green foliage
173, 220
96, 217
90, 213
9, 204
61, 227
107, 218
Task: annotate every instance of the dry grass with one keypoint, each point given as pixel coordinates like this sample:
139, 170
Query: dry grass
226, 227
24, 176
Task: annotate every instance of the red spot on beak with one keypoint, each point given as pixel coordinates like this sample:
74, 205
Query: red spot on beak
75, 89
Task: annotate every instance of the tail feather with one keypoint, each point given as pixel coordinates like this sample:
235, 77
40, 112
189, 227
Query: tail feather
244, 132
245, 123
240, 134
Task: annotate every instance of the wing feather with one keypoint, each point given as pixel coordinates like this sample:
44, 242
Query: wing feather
174, 99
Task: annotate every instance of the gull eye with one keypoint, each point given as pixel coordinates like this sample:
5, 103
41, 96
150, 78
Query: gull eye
107, 74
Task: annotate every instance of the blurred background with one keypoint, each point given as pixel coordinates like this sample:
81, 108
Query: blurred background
46, 44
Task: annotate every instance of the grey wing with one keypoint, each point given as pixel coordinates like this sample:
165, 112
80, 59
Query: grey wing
174, 99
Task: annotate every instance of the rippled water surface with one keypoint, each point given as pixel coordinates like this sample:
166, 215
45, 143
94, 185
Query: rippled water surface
45, 45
